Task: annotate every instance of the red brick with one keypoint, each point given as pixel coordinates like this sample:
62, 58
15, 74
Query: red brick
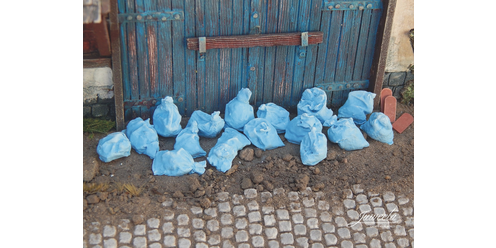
385, 93
403, 122
390, 108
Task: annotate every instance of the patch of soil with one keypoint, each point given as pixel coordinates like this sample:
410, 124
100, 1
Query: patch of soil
379, 167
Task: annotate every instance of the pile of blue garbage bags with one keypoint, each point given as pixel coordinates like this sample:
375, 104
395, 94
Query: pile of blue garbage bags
241, 128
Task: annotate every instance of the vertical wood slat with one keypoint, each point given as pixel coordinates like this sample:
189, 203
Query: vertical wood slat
166, 86
178, 57
225, 17
200, 63
236, 54
362, 42
289, 77
376, 15
132, 54
354, 27
299, 62
253, 68
260, 66
190, 91
124, 57
270, 54
280, 57
312, 52
151, 33
320, 66
342, 54
117, 74
143, 65
134, 111
336, 33
212, 57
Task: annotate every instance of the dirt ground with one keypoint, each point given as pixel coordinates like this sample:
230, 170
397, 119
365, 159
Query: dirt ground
379, 167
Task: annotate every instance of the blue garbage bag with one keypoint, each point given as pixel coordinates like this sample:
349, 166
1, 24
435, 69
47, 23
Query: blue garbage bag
359, 104
176, 163
143, 137
276, 115
166, 118
189, 140
226, 149
379, 127
313, 102
330, 121
239, 111
209, 125
262, 134
300, 126
113, 146
346, 134
313, 147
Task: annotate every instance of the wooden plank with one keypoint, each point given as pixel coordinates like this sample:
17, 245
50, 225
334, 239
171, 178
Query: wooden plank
116, 66
255, 71
293, 20
353, 45
383, 33
132, 53
369, 54
246, 30
141, 42
200, 62
320, 66
270, 54
102, 37
225, 54
126, 81
317, 15
166, 86
237, 53
337, 96
281, 53
100, 62
362, 45
299, 62
258, 95
262, 40
212, 57
151, 33
178, 58
189, 28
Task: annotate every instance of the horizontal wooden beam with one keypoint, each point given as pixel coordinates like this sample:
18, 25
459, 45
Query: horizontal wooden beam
97, 62
255, 40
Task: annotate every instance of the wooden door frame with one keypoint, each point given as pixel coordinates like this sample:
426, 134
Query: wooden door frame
376, 72
381, 50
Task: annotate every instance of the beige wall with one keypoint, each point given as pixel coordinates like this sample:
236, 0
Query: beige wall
400, 53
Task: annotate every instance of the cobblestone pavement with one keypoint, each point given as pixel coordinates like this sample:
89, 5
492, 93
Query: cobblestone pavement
354, 219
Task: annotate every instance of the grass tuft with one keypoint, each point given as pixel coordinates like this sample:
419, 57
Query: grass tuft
92, 125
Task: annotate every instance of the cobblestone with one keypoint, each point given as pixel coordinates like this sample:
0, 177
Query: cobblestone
250, 220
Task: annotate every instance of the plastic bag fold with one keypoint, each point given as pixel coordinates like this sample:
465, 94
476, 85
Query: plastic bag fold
300, 126
262, 134
176, 163
226, 149
189, 140
166, 118
379, 127
313, 147
209, 126
239, 111
113, 146
143, 137
346, 134
359, 104
276, 115
313, 102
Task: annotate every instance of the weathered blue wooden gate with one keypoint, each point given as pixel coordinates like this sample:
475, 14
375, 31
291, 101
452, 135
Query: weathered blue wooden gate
156, 62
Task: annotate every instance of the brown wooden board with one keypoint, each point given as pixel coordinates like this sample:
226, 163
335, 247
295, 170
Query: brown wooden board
254, 40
